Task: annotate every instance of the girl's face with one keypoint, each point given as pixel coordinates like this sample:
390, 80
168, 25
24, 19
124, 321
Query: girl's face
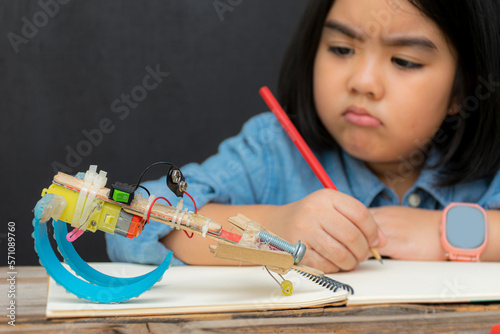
383, 78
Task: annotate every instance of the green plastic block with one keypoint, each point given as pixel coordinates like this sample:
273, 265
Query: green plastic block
120, 196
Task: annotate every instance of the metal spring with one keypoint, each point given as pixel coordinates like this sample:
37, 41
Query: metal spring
327, 282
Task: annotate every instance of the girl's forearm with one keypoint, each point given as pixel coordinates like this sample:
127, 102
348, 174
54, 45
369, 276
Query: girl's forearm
195, 251
414, 234
492, 252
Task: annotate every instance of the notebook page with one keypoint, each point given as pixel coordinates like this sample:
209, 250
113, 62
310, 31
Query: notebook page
420, 281
195, 289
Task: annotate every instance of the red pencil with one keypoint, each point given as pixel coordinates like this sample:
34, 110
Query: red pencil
301, 145
296, 138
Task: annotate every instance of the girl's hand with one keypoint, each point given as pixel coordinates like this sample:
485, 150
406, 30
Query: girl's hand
336, 228
412, 234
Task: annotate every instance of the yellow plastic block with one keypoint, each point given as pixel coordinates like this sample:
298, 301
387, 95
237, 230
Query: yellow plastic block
103, 217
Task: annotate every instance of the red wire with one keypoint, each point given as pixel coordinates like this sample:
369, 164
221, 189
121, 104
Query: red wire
149, 211
157, 198
195, 211
194, 203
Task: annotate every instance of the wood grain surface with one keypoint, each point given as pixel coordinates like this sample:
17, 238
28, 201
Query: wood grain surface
31, 294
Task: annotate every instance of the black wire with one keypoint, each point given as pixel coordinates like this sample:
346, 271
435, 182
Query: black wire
133, 185
138, 184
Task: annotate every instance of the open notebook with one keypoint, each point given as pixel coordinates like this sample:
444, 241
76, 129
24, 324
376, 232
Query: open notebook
192, 289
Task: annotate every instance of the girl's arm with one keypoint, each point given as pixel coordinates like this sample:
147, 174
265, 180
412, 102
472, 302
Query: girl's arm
336, 229
413, 234
195, 251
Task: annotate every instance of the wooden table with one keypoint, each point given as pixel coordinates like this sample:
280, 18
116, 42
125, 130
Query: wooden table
31, 294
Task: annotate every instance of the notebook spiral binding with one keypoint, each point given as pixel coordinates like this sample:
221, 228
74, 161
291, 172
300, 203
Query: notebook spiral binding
327, 282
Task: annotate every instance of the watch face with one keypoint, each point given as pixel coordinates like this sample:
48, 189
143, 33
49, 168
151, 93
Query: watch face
465, 227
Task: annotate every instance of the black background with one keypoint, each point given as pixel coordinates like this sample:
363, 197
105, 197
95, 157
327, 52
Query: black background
63, 64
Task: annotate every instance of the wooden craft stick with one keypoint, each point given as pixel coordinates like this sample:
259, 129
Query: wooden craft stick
277, 259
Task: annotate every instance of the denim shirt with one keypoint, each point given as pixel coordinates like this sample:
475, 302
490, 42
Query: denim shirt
262, 166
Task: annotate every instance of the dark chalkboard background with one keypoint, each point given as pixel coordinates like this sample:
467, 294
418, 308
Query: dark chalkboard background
74, 70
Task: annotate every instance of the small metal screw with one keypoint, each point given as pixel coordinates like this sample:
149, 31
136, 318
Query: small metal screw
93, 223
183, 186
176, 176
297, 250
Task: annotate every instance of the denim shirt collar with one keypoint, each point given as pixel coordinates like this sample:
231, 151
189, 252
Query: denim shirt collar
365, 186
427, 181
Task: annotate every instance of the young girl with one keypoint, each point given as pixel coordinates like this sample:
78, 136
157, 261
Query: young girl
399, 100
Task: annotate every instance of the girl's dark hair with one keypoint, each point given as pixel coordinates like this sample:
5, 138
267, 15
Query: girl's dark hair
469, 142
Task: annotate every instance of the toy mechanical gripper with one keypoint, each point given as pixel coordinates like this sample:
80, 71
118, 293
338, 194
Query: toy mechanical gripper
87, 205
62, 205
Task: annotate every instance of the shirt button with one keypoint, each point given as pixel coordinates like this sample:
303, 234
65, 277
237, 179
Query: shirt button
414, 200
